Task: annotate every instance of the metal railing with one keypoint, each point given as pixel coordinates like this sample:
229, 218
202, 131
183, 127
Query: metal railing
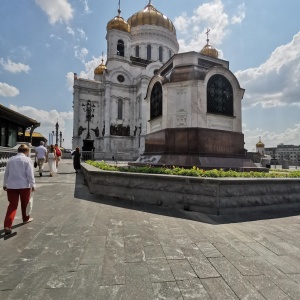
5, 154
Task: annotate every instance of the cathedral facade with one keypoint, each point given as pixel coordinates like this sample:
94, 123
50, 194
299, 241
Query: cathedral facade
161, 107
110, 111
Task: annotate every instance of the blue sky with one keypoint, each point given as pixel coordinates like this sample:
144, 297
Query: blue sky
43, 42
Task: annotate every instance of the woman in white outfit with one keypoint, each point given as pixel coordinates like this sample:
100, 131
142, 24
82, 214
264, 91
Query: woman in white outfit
51, 158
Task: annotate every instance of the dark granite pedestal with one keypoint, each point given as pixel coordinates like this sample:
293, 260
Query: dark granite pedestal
200, 147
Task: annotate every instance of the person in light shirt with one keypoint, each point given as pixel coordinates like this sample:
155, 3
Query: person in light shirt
18, 183
40, 154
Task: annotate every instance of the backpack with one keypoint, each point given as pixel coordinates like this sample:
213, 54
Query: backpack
58, 152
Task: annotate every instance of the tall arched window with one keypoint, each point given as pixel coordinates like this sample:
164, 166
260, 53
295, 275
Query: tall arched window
120, 109
219, 96
137, 51
156, 101
120, 48
160, 53
149, 52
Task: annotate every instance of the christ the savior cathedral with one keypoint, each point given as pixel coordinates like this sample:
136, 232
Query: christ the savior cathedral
150, 99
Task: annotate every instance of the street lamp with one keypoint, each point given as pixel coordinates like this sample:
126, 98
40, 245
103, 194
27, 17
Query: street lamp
89, 109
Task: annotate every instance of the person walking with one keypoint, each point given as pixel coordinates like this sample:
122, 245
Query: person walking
40, 155
76, 159
18, 182
58, 155
51, 158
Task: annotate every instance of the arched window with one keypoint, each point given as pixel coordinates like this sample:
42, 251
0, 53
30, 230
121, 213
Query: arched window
219, 96
120, 109
170, 53
120, 48
160, 53
137, 51
149, 52
156, 101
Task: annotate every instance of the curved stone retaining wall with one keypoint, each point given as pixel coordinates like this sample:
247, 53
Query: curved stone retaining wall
206, 195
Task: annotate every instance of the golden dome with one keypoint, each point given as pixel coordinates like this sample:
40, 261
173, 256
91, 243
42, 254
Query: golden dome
100, 69
151, 16
260, 144
118, 23
209, 51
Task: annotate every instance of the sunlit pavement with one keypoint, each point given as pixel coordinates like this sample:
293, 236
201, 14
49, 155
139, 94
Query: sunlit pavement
82, 246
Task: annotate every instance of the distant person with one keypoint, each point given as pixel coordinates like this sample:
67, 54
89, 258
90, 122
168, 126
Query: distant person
18, 183
51, 158
58, 154
76, 159
40, 154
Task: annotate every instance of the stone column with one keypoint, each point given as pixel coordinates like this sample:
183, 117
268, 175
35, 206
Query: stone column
76, 115
107, 108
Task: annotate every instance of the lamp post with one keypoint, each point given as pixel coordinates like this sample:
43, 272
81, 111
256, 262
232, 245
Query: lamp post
60, 139
89, 109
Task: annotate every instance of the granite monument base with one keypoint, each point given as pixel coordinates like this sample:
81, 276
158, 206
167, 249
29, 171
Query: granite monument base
199, 147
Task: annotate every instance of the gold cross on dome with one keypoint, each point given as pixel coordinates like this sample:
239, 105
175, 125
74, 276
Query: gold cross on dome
207, 32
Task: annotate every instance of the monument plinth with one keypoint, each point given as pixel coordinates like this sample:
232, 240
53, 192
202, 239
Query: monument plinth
194, 113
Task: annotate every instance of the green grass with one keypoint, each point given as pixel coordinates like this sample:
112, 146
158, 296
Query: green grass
195, 172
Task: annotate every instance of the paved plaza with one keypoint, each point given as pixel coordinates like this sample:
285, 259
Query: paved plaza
82, 246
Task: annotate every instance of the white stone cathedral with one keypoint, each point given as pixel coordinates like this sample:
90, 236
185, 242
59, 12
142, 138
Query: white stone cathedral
151, 103
110, 111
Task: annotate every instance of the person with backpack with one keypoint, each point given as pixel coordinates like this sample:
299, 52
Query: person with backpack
58, 155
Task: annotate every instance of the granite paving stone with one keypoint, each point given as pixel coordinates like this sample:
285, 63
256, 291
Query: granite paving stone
267, 288
159, 270
167, 291
218, 289
84, 246
182, 269
242, 288
200, 264
192, 289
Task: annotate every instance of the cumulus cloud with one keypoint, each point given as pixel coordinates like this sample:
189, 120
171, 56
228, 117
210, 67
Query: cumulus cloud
208, 15
240, 16
275, 82
57, 10
70, 30
88, 73
13, 67
81, 53
290, 136
47, 119
8, 90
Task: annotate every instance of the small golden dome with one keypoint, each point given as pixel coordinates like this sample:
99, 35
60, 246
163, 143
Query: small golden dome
151, 16
118, 23
100, 69
209, 51
260, 144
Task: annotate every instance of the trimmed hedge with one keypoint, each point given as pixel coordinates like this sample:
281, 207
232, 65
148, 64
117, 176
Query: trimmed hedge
195, 172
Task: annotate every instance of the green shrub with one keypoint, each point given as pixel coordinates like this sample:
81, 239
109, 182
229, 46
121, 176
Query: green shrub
195, 171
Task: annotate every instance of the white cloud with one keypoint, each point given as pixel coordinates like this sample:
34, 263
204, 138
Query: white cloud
48, 120
88, 73
57, 10
208, 15
290, 136
8, 90
276, 82
70, 30
82, 33
81, 53
13, 67
237, 19
86, 6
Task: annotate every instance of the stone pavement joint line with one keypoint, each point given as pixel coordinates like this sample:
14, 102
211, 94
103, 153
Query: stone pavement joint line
83, 246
